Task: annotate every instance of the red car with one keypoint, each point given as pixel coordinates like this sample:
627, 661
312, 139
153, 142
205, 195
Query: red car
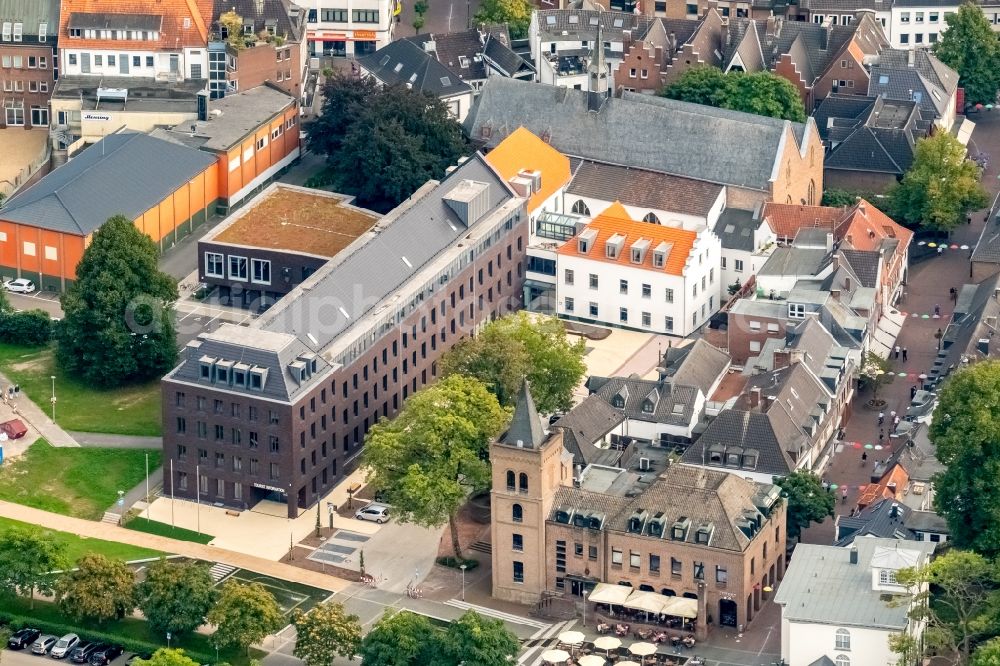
14, 429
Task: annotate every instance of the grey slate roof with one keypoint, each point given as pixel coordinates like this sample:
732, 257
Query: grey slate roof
581, 24
586, 423
846, 597
742, 432
525, 426
243, 113
864, 264
642, 188
110, 177
404, 62
927, 521
449, 47
736, 229
31, 13
870, 133
115, 21
968, 325
643, 131
701, 366
264, 13
928, 77
497, 50
360, 280
672, 403
794, 261
880, 519
703, 496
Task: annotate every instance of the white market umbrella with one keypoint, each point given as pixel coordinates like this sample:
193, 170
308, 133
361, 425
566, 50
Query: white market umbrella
592, 660
571, 637
607, 643
642, 649
555, 656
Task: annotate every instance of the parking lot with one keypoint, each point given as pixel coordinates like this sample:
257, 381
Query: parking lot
25, 658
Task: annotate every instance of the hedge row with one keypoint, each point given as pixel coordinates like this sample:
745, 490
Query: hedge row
60, 629
29, 327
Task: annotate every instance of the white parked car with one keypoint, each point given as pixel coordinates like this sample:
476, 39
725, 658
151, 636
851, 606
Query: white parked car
378, 513
19, 286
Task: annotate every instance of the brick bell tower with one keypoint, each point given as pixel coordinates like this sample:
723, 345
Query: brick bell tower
529, 465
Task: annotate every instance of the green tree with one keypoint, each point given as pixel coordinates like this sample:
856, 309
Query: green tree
427, 459
951, 594
875, 371
515, 13
808, 501
762, 93
940, 187
325, 632
841, 198
176, 596
987, 654
401, 639
118, 324
167, 657
5, 633
244, 614
966, 436
403, 137
474, 640
26, 560
418, 23
233, 23
522, 346
970, 47
99, 589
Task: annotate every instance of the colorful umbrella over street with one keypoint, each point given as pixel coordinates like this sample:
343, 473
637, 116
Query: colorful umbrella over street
869, 446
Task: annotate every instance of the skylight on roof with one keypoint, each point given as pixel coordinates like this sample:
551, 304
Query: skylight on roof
445, 81
573, 18
730, 228
619, 22
413, 77
594, 20
550, 20
398, 67
384, 61
883, 79
745, 232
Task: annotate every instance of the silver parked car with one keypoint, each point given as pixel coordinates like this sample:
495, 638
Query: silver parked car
64, 646
378, 513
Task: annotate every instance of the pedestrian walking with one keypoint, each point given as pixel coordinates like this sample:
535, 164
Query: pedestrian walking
864, 458
896, 350
913, 391
940, 249
954, 294
843, 495
895, 424
881, 418
881, 436
892, 414
937, 311
904, 354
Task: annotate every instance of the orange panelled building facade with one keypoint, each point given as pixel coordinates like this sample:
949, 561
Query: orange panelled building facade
169, 183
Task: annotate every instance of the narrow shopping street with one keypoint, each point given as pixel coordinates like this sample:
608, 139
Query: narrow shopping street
928, 287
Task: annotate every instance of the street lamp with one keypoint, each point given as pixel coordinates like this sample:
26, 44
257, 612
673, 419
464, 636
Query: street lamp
462, 567
53, 399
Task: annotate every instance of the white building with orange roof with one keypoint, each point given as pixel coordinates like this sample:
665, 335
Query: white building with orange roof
621, 272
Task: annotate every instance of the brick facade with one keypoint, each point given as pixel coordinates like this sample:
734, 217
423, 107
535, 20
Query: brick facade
800, 173
27, 74
251, 67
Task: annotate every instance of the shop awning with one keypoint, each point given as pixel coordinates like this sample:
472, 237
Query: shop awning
606, 593
681, 607
651, 602
963, 130
884, 336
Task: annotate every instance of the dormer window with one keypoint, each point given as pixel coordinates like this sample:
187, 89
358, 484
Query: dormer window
586, 239
618, 401
651, 218
658, 259
638, 251
222, 375
704, 534
612, 251
647, 406
750, 460
887, 577
679, 530
613, 246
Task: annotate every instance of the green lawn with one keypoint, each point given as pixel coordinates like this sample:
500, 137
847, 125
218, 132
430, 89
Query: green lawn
128, 631
82, 482
77, 546
163, 529
131, 410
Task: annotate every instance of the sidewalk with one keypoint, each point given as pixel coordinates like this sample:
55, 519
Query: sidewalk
27, 410
104, 440
94, 530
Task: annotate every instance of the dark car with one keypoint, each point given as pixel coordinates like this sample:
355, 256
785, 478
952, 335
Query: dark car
81, 653
23, 638
141, 655
105, 654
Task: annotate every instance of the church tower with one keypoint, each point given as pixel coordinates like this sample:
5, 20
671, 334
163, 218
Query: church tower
529, 464
598, 66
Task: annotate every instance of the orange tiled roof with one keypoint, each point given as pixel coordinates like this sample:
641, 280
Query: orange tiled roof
616, 209
173, 34
865, 227
523, 151
890, 486
607, 224
787, 219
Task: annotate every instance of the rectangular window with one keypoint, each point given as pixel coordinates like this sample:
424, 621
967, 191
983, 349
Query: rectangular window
675, 567
616, 556
646, 319
721, 575
98, 60
634, 559
699, 570
623, 286
623, 315
593, 281
569, 303
592, 552
517, 543
568, 276
518, 572
669, 293
333, 15
181, 429
668, 324
237, 268
29, 247
593, 309
647, 291
275, 471
260, 271
5, 34
738, 265
654, 563
364, 15
214, 265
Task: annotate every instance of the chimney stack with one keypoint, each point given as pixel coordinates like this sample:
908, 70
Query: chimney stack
754, 398
911, 57
854, 555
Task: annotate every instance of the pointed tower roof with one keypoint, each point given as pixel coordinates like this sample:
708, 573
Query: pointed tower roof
526, 426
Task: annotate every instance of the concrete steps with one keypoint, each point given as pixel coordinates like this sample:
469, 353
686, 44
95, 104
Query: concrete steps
482, 547
111, 518
220, 571
499, 615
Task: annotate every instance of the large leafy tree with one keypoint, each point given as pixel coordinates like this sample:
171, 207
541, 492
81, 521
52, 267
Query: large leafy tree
515, 13
762, 93
474, 640
325, 632
403, 137
427, 459
27, 559
987, 654
118, 326
966, 435
176, 596
808, 501
970, 47
940, 187
244, 614
167, 657
402, 639
517, 347
99, 589
954, 595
